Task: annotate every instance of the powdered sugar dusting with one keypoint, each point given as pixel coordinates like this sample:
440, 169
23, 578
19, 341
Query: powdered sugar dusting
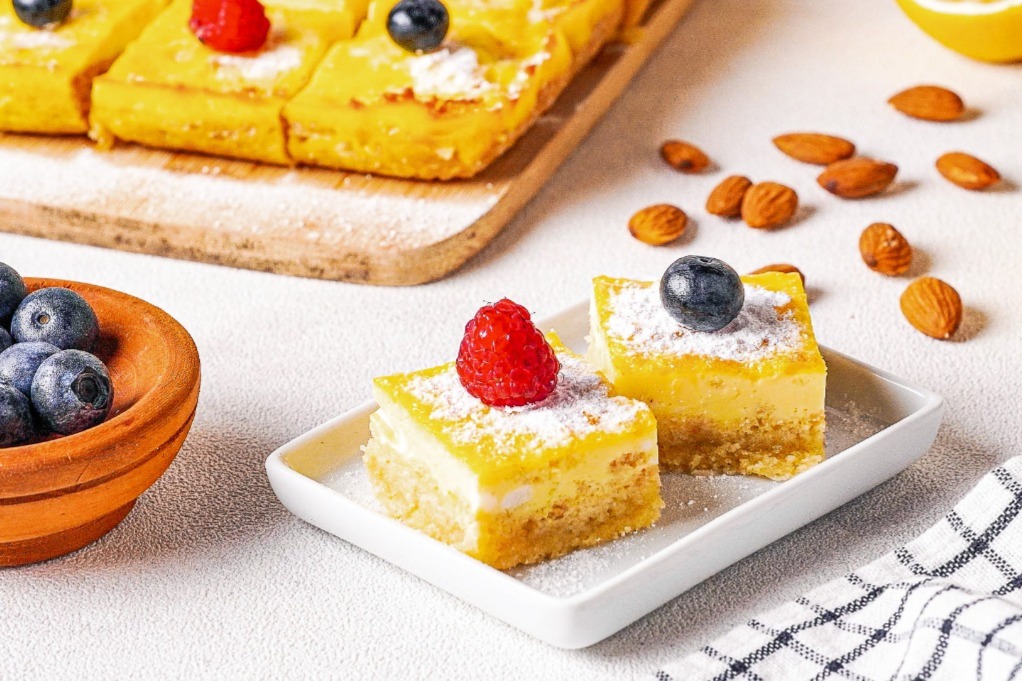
265, 66
639, 321
34, 40
451, 72
579, 406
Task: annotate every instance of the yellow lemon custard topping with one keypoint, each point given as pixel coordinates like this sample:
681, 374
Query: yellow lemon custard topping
746, 399
512, 485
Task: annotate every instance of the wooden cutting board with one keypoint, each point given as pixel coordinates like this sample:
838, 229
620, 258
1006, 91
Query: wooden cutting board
304, 222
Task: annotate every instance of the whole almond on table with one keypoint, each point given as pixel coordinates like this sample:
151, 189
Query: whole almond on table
768, 205
726, 198
781, 267
885, 250
814, 147
658, 224
855, 178
967, 171
683, 156
933, 307
929, 103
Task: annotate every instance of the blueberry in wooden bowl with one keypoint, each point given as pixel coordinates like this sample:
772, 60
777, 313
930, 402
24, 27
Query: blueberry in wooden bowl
60, 493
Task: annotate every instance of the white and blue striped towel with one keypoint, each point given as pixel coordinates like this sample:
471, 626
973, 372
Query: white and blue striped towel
948, 605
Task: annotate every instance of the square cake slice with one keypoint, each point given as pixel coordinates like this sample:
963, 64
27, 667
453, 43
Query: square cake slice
514, 485
373, 107
746, 399
46, 74
170, 90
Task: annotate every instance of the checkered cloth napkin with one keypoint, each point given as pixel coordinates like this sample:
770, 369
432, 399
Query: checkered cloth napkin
948, 605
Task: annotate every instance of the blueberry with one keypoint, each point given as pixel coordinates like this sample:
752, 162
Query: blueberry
58, 316
418, 25
19, 363
5, 340
12, 292
15, 416
703, 294
42, 13
72, 392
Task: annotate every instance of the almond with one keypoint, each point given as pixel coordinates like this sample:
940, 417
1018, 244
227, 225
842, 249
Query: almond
768, 205
885, 250
658, 225
967, 171
726, 198
855, 178
781, 267
814, 147
933, 307
929, 103
683, 156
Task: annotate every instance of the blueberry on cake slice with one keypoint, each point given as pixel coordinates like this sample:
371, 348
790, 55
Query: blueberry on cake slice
518, 452
729, 365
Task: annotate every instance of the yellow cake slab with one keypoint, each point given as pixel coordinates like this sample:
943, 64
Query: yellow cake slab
169, 90
374, 107
46, 74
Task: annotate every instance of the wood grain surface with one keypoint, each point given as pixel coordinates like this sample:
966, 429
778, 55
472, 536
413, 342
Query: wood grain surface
300, 221
60, 494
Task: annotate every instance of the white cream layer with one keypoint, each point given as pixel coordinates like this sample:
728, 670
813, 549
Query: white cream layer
405, 437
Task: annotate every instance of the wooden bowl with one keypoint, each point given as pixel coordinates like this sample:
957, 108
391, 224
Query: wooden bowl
60, 494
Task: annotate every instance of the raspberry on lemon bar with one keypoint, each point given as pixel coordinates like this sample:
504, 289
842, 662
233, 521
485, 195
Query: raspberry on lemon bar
746, 398
513, 484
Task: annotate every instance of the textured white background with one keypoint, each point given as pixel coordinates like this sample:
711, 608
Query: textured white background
211, 577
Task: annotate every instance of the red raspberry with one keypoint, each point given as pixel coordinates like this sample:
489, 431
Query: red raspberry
504, 360
230, 25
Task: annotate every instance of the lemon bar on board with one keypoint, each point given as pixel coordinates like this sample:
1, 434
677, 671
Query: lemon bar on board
46, 74
520, 484
746, 399
371, 106
170, 90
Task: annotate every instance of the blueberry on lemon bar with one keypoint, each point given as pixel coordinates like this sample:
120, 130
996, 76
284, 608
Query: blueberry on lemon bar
436, 91
729, 365
213, 76
50, 52
516, 453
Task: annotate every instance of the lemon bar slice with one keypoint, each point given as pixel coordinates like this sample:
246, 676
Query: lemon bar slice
169, 90
514, 485
746, 399
45, 75
373, 107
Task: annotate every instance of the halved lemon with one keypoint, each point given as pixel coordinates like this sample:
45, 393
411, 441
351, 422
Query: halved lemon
988, 30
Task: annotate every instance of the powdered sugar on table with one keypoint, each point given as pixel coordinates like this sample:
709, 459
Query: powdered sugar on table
639, 321
579, 406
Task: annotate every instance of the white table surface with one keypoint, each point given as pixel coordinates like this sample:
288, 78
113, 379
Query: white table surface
210, 577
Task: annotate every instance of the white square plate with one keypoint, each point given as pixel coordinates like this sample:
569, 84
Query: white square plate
876, 426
